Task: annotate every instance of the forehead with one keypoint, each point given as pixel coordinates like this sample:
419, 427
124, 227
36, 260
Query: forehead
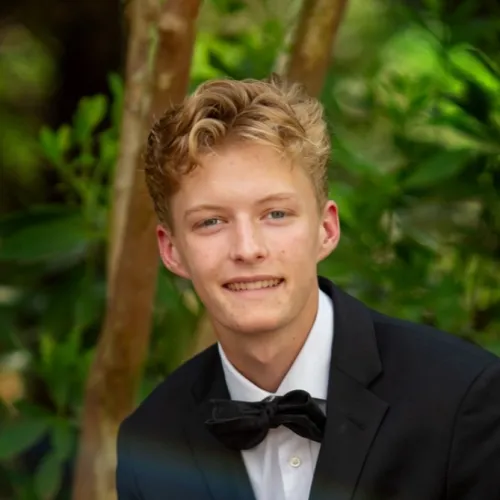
242, 173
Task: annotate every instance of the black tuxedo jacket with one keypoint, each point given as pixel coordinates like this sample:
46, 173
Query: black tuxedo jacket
412, 414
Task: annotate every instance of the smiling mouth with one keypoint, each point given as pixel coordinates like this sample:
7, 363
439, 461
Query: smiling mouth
254, 285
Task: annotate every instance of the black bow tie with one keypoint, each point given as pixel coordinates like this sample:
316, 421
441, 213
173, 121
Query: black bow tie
240, 425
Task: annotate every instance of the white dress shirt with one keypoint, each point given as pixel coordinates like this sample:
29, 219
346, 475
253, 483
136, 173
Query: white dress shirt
282, 466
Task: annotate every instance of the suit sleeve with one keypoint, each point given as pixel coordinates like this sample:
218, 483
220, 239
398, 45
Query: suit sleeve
474, 466
126, 486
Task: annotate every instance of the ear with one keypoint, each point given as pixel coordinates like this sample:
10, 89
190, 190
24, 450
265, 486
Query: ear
329, 231
169, 252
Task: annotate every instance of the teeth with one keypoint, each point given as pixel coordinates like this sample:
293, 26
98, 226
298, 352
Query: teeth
253, 285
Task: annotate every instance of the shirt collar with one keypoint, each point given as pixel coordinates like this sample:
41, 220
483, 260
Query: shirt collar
309, 371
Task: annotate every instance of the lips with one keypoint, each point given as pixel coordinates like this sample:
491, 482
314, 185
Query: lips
239, 286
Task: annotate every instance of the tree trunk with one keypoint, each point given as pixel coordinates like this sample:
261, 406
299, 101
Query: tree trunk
136, 112
308, 62
123, 343
313, 45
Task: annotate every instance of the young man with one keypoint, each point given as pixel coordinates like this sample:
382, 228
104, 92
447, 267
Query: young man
307, 393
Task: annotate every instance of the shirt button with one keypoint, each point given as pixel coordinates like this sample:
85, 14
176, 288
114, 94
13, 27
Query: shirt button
295, 462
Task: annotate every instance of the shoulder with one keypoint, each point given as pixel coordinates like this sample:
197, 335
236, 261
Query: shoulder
168, 404
435, 355
151, 444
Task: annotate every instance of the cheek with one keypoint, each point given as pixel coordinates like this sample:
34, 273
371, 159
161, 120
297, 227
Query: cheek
204, 260
298, 247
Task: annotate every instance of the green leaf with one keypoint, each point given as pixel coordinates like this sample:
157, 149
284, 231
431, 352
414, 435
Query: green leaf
412, 53
47, 347
449, 137
86, 160
437, 168
470, 64
461, 122
63, 439
44, 238
17, 436
32, 411
115, 83
50, 145
48, 477
64, 139
108, 150
90, 113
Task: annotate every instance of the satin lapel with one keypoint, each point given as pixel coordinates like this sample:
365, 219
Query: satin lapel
223, 469
354, 413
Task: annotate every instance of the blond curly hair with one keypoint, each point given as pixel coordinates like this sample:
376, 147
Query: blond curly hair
221, 112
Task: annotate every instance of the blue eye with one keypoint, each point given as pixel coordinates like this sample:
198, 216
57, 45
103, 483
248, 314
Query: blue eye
210, 222
277, 214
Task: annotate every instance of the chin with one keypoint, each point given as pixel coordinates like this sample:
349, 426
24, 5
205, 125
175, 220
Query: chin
255, 324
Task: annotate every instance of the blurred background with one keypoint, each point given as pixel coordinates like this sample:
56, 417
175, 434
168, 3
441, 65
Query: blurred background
412, 95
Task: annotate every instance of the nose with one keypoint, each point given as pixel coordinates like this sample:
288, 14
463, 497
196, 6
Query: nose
248, 243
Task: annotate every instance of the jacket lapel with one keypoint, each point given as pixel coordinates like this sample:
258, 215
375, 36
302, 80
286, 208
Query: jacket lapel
223, 469
354, 413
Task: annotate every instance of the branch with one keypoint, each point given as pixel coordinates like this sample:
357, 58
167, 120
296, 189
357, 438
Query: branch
313, 45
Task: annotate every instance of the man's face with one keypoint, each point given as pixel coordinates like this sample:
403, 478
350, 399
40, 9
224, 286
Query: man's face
248, 234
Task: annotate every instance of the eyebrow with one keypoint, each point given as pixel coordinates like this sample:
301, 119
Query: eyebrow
262, 201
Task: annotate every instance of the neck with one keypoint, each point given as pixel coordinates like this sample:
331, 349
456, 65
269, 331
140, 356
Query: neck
265, 358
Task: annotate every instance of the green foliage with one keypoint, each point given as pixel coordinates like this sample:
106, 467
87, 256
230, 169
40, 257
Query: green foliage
249, 53
48, 476
417, 177
51, 258
22, 433
19, 435
42, 234
26, 70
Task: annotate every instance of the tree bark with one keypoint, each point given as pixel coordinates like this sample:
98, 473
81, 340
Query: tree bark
123, 343
136, 111
313, 45
176, 37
